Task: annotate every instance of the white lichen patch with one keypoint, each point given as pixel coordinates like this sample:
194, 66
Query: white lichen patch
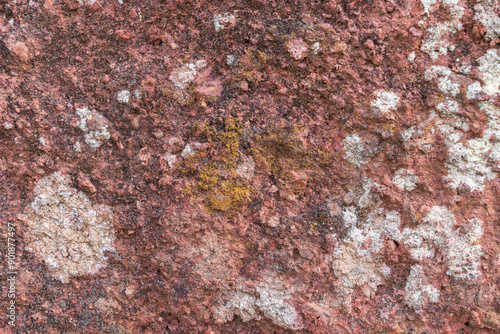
269, 300
405, 180
86, 2
246, 167
241, 304
297, 48
274, 221
357, 263
316, 47
272, 303
94, 126
411, 57
437, 43
356, 267
66, 230
489, 65
187, 151
183, 76
170, 159
467, 164
493, 130
408, 133
438, 231
349, 216
468, 161
365, 200
490, 69
137, 94
42, 141
448, 107
354, 149
222, 20
385, 102
486, 14
475, 91
358, 260
123, 96
380, 226
418, 291
428, 5
465, 68
445, 84
230, 59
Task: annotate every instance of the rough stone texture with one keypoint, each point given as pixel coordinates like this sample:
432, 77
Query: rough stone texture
94, 127
66, 230
251, 166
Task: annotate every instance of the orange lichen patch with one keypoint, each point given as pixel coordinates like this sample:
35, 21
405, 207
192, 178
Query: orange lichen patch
228, 195
216, 180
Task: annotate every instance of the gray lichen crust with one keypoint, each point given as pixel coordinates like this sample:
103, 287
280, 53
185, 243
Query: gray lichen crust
270, 299
66, 230
94, 126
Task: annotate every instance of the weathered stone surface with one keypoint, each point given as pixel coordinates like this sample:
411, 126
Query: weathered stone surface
250, 166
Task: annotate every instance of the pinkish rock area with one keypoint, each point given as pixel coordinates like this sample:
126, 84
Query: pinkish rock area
254, 166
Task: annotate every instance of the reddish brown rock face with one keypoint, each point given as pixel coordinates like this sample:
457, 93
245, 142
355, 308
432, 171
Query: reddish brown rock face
250, 166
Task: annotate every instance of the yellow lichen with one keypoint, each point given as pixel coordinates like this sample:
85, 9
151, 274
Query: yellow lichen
230, 140
228, 195
216, 181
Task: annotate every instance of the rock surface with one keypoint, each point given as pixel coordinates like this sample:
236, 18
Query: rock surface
250, 166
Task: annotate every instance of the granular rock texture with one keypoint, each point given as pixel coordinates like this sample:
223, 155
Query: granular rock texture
65, 230
258, 166
94, 125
